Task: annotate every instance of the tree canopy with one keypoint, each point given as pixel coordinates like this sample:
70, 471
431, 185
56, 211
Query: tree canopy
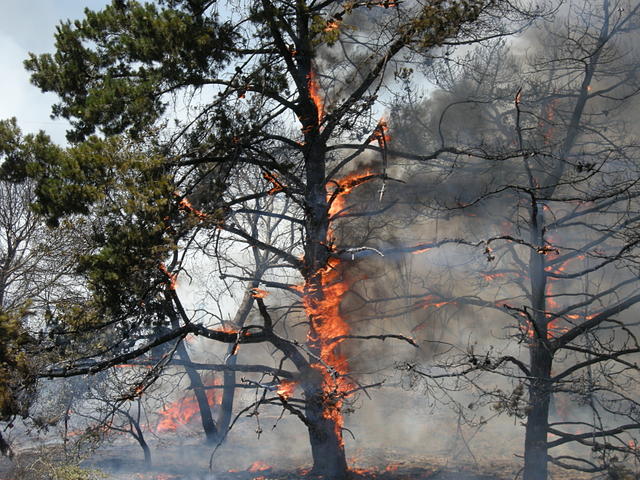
197, 125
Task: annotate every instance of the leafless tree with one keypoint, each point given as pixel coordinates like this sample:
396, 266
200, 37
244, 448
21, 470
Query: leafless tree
558, 221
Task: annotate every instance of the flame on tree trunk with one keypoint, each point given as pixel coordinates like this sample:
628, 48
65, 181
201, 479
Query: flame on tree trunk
326, 390
327, 386
324, 383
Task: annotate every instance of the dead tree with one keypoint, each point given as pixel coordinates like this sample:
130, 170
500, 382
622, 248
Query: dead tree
559, 222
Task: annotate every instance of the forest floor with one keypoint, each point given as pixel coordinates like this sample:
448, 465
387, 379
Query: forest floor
116, 463
425, 447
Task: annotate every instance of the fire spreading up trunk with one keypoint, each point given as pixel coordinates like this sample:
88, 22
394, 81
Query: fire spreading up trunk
323, 400
325, 383
326, 388
324, 289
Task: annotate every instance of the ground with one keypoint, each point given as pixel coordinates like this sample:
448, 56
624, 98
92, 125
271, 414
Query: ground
116, 463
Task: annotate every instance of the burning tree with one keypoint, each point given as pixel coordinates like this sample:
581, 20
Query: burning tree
559, 221
288, 94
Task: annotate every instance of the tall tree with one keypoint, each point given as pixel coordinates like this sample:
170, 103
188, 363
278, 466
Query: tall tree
559, 221
282, 91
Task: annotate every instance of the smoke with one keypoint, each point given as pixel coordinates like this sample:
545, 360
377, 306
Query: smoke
458, 302
453, 301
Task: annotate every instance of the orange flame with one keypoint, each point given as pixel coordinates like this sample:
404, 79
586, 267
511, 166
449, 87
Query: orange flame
323, 294
286, 389
553, 329
337, 197
277, 186
259, 466
258, 293
327, 323
314, 94
381, 133
186, 206
331, 25
172, 277
181, 412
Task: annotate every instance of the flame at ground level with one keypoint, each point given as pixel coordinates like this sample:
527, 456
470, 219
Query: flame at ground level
181, 412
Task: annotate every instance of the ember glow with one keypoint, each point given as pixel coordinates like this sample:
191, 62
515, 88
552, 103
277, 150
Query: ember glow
182, 412
259, 466
277, 186
259, 293
418, 249
286, 388
429, 302
172, 277
489, 277
331, 25
552, 304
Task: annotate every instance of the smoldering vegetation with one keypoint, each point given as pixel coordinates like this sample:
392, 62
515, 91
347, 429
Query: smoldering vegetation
439, 288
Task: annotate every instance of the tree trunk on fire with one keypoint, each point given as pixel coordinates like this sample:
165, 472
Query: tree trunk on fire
322, 412
327, 448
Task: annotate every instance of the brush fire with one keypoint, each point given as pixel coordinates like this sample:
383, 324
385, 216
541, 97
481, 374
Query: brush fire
361, 240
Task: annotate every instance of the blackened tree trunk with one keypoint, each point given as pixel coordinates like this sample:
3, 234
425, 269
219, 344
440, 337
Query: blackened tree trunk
5, 448
541, 357
135, 429
327, 448
535, 444
147, 452
229, 377
211, 432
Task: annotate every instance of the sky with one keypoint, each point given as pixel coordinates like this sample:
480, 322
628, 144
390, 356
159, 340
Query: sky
29, 26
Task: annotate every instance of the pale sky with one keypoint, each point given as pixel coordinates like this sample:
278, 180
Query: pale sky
29, 26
